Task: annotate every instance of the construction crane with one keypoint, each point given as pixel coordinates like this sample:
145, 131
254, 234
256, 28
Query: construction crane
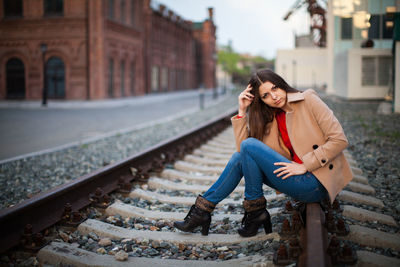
317, 15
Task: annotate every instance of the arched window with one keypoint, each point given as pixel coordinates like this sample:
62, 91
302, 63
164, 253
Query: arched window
15, 79
55, 78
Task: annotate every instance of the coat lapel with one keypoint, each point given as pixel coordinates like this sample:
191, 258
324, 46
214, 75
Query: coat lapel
294, 97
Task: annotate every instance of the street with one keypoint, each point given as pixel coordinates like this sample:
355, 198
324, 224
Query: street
27, 130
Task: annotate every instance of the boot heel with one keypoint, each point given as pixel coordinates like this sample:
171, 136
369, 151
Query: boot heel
205, 228
268, 224
268, 227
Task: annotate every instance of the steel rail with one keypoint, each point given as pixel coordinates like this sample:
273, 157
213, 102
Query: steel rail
46, 209
314, 238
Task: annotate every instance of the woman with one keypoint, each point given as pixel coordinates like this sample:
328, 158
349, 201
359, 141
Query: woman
288, 140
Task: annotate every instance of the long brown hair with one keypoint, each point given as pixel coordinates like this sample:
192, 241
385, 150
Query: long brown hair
260, 114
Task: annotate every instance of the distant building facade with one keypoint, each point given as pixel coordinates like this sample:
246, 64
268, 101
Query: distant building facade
357, 62
304, 40
303, 67
359, 46
101, 49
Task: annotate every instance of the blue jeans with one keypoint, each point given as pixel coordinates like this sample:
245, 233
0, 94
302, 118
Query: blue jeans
256, 163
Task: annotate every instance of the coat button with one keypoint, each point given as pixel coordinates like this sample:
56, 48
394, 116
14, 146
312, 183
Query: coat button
323, 160
315, 146
330, 166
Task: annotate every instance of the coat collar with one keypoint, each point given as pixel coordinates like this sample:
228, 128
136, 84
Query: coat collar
294, 97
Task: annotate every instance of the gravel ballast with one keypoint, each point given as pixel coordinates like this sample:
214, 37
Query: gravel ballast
374, 143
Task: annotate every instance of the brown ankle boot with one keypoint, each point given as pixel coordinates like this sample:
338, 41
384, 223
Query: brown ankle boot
255, 215
199, 215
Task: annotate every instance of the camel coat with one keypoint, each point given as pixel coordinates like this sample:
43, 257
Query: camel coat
316, 136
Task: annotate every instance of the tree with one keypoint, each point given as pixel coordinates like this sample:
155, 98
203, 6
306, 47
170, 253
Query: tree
240, 66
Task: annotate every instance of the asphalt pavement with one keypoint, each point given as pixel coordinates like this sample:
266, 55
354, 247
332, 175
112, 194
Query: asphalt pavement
27, 127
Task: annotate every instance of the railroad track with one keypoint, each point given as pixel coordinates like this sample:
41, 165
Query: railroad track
104, 219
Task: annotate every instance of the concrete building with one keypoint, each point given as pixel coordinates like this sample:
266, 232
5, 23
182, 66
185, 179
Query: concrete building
101, 49
304, 40
357, 62
360, 49
303, 67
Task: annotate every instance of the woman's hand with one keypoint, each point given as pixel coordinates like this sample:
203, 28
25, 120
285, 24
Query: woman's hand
289, 168
245, 99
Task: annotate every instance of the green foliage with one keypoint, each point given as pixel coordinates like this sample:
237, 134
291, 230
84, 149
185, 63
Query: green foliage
240, 66
362, 122
259, 59
84, 146
228, 61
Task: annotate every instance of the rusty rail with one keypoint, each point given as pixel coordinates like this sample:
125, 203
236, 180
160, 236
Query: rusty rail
304, 235
44, 210
314, 238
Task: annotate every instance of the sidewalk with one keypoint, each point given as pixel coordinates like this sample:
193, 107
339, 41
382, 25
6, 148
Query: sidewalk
103, 103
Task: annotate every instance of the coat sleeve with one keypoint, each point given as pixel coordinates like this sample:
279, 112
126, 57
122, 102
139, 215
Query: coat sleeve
240, 130
336, 140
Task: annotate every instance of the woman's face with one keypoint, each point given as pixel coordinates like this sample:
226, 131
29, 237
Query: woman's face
272, 95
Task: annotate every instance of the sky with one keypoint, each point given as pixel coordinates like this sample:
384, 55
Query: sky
254, 26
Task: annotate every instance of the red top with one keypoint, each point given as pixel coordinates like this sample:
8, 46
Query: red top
281, 120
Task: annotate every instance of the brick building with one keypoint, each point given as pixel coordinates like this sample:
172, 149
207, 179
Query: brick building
101, 49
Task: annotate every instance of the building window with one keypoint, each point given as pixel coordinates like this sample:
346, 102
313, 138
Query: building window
368, 71
110, 78
53, 7
387, 31
376, 70
172, 77
123, 10
132, 78
15, 79
55, 78
164, 79
379, 30
12, 8
179, 79
154, 79
347, 28
133, 3
123, 78
111, 9
373, 31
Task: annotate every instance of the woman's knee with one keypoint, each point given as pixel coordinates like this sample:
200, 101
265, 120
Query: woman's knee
248, 143
236, 157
